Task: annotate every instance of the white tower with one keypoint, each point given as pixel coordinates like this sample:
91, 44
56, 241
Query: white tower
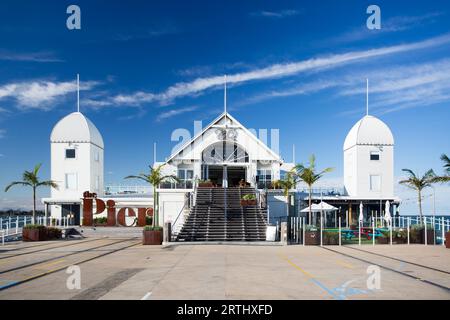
369, 160
76, 158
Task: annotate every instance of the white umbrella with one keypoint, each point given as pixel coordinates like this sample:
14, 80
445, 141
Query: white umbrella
361, 216
387, 215
317, 207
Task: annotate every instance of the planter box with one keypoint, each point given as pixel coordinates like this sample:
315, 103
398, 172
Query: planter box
205, 185
419, 237
37, 234
330, 240
447, 240
246, 203
152, 237
383, 240
312, 238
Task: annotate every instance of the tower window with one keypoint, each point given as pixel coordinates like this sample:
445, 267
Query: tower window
375, 183
71, 181
374, 155
70, 153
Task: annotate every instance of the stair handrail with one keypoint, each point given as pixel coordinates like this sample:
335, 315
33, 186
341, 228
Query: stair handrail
174, 233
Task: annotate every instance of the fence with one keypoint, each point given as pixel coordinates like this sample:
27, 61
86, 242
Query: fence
401, 230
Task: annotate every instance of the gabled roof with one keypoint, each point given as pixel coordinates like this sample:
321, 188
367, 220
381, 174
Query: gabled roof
216, 121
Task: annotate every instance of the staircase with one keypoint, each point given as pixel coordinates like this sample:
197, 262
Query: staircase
219, 216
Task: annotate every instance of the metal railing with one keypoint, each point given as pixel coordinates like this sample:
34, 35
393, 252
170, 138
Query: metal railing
176, 228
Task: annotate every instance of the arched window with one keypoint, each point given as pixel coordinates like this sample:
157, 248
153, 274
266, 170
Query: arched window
225, 152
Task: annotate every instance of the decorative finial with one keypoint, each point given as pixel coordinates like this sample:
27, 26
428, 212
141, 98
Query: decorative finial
78, 92
225, 94
367, 96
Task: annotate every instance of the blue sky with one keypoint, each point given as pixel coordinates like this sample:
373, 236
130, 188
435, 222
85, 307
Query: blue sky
148, 68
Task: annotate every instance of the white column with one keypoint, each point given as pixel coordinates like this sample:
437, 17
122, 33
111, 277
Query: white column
443, 231
340, 235
426, 237
373, 231
303, 230
408, 221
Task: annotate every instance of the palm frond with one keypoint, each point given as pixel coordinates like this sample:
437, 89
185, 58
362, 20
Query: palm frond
15, 183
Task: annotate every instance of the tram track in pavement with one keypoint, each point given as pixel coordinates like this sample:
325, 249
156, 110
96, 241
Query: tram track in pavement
395, 270
75, 242
56, 259
63, 256
400, 260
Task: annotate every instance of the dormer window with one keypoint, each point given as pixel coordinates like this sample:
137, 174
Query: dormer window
70, 153
374, 155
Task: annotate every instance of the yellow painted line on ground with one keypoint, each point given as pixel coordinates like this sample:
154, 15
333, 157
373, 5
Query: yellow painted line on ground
51, 263
344, 264
306, 273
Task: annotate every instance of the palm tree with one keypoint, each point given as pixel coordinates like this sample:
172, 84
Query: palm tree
31, 179
419, 183
446, 176
289, 182
155, 178
308, 175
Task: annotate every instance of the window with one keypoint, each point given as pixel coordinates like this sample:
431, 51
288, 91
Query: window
375, 183
70, 153
264, 178
71, 181
186, 176
374, 155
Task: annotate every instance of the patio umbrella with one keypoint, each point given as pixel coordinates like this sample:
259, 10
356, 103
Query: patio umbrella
387, 215
361, 216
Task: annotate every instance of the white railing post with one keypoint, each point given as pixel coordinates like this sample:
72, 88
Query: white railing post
303, 230
390, 230
373, 231
9, 222
408, 223
443, 232
321, 230
1, 223
359, 235
340, 229
426, 237
17, 224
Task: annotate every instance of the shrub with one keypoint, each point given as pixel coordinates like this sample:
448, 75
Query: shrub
311, 228
54, 233
330, 237
249, 196
100, 220
148, 220
34, 226
152, 228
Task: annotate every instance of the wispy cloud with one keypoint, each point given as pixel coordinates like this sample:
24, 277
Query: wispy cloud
394, 24
155, 32
40, 94
199, 85
174, 112
2, 133
42, 56
276, 14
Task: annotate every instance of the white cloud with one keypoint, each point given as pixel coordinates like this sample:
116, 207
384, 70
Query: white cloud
394, 24
29, 57
280, 70
174, 112
276, 14
40, 94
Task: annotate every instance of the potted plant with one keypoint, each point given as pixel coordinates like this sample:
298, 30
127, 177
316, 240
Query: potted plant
312, 235
417, 234
34, 232
152, 235
53, 233
205, 184
384, 239
100, 222
330, 238
248, 200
